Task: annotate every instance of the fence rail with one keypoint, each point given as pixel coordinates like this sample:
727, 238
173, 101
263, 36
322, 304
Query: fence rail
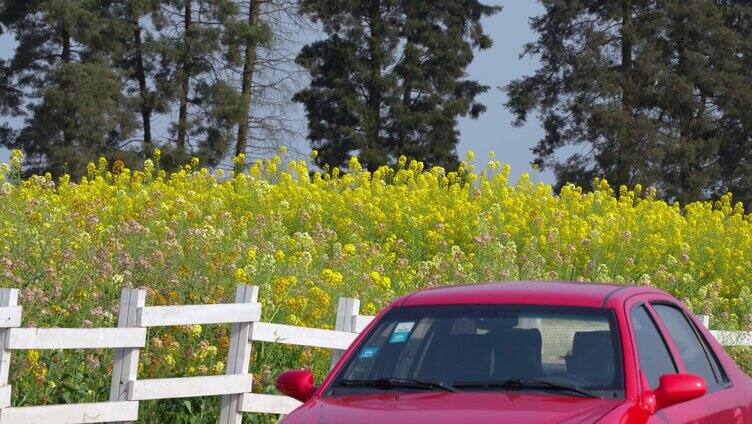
74, 338
72, 414
129, 337
732, 338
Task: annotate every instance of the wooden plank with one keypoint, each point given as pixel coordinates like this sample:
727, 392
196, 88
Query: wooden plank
158, 316
125, 360
238, 356
5, 392
269, 404
10, 316
74, 338
80, 413
360, 322
168, 388
8, 297
733, 338
346, 309
302, 336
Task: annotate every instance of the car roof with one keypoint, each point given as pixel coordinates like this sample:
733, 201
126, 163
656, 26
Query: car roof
527, 292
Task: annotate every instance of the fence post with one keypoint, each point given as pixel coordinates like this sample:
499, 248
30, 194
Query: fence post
347, 309
705, 320
125, 360
238, 356
8, 297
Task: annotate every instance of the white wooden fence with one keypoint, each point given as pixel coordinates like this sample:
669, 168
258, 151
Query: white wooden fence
130, 336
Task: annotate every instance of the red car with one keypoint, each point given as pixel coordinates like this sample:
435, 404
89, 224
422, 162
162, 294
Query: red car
529, 353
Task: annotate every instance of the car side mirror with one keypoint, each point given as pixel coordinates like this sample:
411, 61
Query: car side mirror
678, 388
296, 384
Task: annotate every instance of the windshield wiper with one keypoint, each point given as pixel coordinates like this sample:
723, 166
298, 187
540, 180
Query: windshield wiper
524, 383
388, 383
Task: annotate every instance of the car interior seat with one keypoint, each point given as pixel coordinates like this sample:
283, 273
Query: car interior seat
464, 356
518, 354
592, 357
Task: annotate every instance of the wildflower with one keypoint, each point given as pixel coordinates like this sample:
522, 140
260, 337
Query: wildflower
16, 161
32, 356
195, 330
241, 276
92, 362
354, 164
279, 255
331, 277
239, 162
251, 254
189, 236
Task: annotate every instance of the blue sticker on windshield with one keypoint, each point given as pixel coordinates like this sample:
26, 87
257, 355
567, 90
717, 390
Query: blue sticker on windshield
398, 338
368, 352
401, 332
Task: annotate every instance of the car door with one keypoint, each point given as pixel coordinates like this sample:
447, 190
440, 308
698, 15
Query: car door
656, 355
652, 354
693, 355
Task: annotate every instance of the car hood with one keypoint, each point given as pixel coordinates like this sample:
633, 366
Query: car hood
441, 407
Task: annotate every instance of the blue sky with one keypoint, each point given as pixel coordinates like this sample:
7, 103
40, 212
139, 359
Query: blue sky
495, 67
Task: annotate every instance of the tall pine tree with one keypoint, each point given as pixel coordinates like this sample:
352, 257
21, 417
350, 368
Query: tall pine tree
75, 110
389, 79
133, 54
735, 152
246, 35
636, 91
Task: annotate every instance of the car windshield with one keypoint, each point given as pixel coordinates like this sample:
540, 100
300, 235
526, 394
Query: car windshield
568, 350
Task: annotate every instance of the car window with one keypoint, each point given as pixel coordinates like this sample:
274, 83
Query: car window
655, 358
696, 354
459, 344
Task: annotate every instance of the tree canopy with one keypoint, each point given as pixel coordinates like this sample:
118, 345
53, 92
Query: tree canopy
390, 78
88, 76
643, 91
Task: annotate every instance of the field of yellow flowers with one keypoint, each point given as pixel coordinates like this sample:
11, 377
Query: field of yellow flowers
307, 238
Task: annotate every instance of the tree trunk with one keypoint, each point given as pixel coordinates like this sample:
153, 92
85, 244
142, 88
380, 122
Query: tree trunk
65, 57
141, 75
625, 142
406, 106
685, 157
185, 80
247, 91
627, 44
66, 54
374, 89
407, 83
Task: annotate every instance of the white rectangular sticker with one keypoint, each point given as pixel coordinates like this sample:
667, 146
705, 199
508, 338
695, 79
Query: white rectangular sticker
403, 327
401, 332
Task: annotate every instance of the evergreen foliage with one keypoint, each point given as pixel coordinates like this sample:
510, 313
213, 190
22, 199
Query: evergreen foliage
389, 79
76, 111
88, 76
642, 91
